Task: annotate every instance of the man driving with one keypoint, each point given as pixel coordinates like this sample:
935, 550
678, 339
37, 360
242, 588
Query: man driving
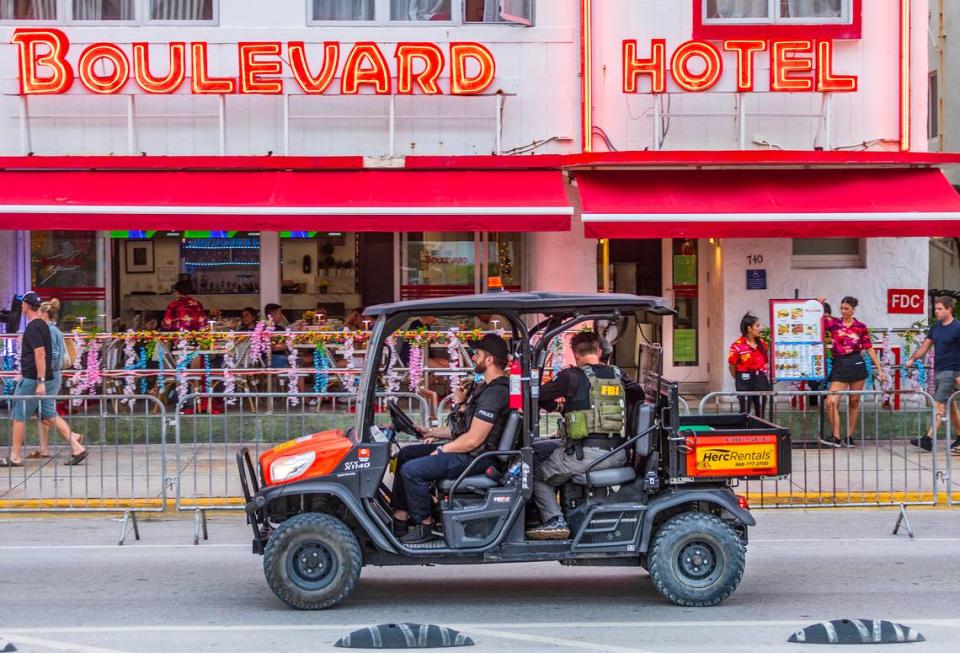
484, 413
593, 398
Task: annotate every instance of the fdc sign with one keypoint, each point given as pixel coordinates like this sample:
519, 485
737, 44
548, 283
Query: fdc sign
906, 300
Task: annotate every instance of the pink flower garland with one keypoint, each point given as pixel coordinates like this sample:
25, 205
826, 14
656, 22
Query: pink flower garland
453, 351
87, 380
229, 363
260, 341
183, 383
350, 381
392, 378
415, 373
292, 374
130, 362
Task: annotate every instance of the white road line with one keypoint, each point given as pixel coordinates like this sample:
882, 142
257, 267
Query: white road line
130, 546
892, 539
187, 628
60, 646
554, 641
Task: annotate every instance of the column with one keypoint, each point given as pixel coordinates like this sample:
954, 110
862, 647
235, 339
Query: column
270, 266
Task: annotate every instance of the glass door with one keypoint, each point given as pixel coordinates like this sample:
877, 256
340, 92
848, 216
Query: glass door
438, 264
684, 336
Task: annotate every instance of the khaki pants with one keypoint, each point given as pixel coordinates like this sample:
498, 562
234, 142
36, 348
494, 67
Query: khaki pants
557, 467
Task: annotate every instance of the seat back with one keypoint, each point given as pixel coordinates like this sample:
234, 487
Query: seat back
643, 416
509, 435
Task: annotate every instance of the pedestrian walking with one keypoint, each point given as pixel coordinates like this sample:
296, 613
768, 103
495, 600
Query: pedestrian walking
749, 363
944, 337
50, 310
850, 340
36, 370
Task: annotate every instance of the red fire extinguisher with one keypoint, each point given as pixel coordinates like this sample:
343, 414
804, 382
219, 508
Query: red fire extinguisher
516, 396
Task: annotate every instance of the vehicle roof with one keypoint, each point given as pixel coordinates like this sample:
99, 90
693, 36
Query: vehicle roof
546, 303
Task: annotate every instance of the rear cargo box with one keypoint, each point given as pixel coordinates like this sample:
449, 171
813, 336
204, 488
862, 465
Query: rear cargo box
712, 447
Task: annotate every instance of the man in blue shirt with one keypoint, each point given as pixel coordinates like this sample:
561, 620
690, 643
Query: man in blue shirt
944, 337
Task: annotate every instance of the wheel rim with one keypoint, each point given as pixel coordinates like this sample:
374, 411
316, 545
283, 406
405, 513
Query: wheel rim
312, 566
698, 563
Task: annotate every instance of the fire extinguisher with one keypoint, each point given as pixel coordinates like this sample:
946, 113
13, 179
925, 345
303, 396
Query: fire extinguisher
516, 395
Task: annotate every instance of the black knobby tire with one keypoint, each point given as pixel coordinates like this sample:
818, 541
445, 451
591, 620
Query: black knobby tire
697, 559
312, 561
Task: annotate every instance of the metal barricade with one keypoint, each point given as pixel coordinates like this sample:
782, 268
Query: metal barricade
951, 485
125, 469
209, 432
882, 468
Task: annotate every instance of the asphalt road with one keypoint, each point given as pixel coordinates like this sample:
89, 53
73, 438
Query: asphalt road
66, 586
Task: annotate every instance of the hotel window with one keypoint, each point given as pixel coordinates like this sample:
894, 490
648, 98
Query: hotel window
518, 12
810, 253
104, 10
181, 11
420, 10
933, 106
342, 10
776, 11
28, 9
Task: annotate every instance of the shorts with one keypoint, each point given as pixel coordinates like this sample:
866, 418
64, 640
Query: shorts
23, 409
849, 368
946, 385
48, 407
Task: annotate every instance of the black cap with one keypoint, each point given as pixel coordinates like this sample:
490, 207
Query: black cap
493, 345
31, 298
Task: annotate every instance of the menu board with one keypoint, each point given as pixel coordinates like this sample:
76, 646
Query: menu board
796, 334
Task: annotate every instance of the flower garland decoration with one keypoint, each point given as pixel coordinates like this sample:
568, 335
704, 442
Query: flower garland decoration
229, 363
207, 382
453, 354
260, 341
87, 380
130, 365
10, 359
321, 363
350, 381
183, 359
391, 380
415, 371
292, 372
556, 351
142, 365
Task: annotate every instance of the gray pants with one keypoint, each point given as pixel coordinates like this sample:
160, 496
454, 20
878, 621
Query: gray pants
557, 468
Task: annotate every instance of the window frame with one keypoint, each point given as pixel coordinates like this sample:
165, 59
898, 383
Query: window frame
849, 28
40, 21
67, 13
856, 261
145, 19
933, 105
381, 18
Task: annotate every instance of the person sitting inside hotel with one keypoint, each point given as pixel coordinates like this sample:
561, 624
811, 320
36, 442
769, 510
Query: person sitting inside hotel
184, 313
484, 415
248, 319
279, 355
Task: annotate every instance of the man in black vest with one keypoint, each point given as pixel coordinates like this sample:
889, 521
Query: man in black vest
484, 416
593, 398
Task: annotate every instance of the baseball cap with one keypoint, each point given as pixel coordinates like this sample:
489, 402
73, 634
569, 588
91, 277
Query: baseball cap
31, 298
493, 345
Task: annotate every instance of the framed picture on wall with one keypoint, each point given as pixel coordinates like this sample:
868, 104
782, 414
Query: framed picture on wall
139, 256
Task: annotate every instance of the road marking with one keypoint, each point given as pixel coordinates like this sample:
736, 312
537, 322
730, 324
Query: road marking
187, 628
855, 539
61, 646
554, 641
114, 547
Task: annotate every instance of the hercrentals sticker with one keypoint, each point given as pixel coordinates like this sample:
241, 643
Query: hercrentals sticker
735, 455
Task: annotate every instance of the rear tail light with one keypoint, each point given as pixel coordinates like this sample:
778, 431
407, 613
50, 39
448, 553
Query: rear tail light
742, 501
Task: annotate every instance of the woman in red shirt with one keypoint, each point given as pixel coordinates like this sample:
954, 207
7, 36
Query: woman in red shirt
850, 338
748, 364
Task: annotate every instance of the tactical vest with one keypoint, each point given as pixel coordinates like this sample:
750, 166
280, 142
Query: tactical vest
607, 412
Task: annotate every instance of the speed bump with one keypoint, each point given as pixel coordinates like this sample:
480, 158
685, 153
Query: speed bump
404, 635
856, 631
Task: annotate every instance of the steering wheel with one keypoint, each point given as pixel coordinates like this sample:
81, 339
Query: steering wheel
401, 421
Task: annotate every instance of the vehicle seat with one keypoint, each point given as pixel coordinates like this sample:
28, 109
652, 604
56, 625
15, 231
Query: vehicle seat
482, 481
642, 420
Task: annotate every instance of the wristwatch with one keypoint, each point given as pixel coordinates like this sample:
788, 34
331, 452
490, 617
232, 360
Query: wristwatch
440, 449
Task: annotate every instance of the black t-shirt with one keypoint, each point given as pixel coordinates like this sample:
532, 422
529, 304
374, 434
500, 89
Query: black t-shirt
572, 384
36, 335
491, 404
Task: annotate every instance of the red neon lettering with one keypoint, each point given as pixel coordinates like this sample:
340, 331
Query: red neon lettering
355, 73
176, 72
655, 66
314, 85
252, 69
426, 79
461, 83
29, 60
113, 81
745, 50
203, 83
784, 65
679, 66
827, 82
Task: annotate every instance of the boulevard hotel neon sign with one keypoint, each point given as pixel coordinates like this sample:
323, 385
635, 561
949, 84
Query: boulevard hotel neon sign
106, 68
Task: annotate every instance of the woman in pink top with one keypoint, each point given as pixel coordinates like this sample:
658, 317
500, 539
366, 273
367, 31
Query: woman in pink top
850, 339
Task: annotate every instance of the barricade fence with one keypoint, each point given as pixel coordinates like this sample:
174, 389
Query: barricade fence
948, 480
882, 467
206, 443
125, 467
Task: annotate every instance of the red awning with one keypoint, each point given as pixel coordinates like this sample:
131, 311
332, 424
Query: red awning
284, 200
794, 203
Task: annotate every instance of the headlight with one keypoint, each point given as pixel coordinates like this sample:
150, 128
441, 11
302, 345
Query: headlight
283, 469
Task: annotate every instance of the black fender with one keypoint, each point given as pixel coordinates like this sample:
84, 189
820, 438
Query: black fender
342, 493
723, 498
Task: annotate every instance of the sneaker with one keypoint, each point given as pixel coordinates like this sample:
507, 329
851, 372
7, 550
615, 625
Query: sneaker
555, 529
829, 442
399, 528
848, 442
924, 443
955, 444
419, 534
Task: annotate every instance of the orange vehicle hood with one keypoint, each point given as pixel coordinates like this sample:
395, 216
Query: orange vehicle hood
331, 447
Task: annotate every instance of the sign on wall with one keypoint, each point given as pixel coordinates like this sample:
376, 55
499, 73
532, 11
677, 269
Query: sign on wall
756, 279
906, 301
797, 351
